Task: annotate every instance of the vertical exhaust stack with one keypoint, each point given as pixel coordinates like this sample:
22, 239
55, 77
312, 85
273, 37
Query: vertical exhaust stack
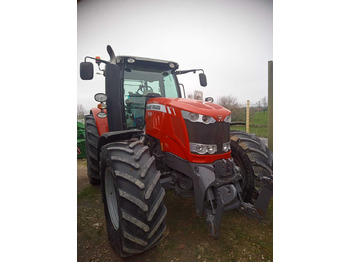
114, 94
113, 59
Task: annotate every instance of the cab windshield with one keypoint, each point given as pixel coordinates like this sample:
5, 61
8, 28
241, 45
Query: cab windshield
138, 83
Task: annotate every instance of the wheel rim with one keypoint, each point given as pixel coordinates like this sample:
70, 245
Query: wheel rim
257, 184
111, 197
239, 163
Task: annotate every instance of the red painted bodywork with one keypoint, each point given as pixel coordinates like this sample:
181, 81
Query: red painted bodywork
170, 128
101, 123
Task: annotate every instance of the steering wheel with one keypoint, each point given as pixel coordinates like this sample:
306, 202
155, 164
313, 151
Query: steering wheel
144, 89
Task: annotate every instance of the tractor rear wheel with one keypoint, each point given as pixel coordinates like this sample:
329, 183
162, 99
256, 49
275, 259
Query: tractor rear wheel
254, 160
132, 197
91, 144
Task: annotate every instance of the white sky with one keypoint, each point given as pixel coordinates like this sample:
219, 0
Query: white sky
230, 39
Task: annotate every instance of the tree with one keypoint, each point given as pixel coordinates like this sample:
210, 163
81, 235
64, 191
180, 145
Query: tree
262, 104
230, 102
80, 111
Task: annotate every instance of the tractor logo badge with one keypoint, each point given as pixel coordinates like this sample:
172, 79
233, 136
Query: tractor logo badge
220, 117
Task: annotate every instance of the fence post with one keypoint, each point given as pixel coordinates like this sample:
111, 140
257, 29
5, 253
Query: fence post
247, 118
270, 105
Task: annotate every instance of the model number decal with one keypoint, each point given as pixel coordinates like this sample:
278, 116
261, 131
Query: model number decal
161, 108
156, 107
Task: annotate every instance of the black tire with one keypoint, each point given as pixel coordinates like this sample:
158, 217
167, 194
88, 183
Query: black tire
91, 145
254, 160
132, 197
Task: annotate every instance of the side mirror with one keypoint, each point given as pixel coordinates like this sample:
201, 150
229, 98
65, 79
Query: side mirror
86, 70
202, 79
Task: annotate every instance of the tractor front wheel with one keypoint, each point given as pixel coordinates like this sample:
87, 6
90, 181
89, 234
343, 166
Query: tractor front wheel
254, 160
91, 144
132, 197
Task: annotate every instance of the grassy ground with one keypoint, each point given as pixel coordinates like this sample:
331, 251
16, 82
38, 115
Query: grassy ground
186, 237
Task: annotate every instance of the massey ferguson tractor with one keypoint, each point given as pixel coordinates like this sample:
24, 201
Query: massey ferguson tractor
144, 138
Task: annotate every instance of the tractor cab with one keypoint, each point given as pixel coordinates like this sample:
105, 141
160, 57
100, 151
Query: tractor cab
144, 79
131, 81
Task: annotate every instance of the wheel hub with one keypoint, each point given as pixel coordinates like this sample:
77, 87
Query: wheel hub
111, 198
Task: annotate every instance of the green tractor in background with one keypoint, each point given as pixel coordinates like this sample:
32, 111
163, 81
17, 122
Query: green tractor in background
81, 140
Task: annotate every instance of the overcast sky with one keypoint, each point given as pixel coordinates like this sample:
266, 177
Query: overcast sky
230, 39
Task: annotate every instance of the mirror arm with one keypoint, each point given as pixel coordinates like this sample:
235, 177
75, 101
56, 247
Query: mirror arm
98, 61
188, 71
183, 89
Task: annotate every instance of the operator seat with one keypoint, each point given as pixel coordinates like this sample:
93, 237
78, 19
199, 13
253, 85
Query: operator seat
149, 96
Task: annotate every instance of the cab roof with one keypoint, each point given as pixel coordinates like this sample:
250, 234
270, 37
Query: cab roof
144, 60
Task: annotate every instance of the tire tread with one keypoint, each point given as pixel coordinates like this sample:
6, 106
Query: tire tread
139, 195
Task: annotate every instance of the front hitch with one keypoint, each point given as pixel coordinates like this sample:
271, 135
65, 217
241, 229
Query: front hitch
225, 196
228, 197
219, 185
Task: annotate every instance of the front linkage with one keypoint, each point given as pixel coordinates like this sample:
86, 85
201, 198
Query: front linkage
229, 196
217, 188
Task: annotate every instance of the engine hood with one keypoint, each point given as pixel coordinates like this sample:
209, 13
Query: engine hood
194, 106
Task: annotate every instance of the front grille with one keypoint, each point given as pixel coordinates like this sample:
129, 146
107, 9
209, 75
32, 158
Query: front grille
216, 133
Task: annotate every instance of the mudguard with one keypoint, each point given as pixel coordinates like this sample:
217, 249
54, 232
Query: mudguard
118, 136
101, 123
105, 136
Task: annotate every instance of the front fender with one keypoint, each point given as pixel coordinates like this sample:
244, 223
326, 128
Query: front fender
117, 136
101, 123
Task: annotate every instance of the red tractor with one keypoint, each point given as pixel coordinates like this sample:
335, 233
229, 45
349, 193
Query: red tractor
144, 139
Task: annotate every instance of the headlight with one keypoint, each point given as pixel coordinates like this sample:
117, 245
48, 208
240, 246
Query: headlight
100, 97
194, 117
202, 148
101, 114
228, 119
211, 149
226, 147
131, 60
208, 119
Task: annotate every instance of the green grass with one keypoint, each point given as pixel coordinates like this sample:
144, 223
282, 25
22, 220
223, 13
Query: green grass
257, 124
90, 212
88, 192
